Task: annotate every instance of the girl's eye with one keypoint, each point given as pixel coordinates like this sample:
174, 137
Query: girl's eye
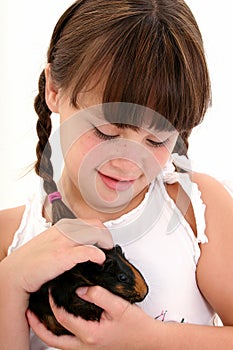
103, 136
158, 144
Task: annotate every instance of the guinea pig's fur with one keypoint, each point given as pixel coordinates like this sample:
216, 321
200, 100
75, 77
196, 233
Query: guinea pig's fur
116, 274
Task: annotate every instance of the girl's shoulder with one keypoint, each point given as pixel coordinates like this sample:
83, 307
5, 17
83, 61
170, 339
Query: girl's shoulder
219, 207
218, 200
215, 266
10, 220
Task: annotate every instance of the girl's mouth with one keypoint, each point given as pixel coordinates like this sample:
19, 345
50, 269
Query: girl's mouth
115, 184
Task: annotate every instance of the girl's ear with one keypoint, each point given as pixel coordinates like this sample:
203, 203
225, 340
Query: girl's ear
51, 91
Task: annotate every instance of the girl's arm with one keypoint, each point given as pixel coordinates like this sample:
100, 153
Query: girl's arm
125, 326
27, 268
14, 331
9, 222
13, 303
215, 266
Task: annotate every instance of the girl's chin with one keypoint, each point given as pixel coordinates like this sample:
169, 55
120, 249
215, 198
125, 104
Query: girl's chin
105, 199
111, 196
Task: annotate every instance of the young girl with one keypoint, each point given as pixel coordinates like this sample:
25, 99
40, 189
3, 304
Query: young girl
129, 81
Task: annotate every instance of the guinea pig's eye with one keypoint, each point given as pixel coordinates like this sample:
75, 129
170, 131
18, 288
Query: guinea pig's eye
122, 277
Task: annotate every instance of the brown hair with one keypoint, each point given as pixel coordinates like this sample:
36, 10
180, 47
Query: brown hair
153, 53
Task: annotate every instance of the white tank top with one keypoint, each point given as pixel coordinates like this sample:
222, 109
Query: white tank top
158, 241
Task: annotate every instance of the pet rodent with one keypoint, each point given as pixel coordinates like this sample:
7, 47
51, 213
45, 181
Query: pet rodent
116, 274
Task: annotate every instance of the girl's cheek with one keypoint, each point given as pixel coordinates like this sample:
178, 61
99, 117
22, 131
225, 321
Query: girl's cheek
83, 154
162, 155
82, 147
88, 143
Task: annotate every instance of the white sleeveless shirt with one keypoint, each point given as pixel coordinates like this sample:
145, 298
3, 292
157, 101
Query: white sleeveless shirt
157, 239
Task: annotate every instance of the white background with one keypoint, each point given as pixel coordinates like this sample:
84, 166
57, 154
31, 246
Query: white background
25, 30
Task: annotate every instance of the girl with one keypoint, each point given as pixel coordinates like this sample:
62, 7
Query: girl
129, 81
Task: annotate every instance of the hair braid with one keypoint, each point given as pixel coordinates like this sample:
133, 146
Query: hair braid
43, 166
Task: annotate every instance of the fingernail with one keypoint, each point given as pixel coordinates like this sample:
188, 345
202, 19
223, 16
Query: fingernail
81, 291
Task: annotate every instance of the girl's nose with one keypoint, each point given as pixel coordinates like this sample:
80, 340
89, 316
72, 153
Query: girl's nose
126, 166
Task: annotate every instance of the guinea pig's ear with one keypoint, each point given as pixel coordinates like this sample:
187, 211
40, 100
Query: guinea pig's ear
108, 265
118, 249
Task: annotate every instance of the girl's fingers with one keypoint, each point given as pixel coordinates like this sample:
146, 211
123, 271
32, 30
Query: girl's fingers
91, 333
86, 331
87, 252
67, 342
113, 305
86, 232
55, 253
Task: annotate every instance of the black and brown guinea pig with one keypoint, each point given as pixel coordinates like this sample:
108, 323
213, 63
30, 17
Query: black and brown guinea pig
116, 274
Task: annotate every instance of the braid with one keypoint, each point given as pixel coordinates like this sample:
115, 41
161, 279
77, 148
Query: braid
185, 136
43, 166
43, 127
182, 143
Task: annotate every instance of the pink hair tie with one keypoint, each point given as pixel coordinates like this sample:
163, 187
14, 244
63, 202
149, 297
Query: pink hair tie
54, 196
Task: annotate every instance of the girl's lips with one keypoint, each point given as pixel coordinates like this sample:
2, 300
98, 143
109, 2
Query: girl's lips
115, 184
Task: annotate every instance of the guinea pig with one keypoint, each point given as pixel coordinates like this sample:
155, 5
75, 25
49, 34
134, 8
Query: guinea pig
116, 274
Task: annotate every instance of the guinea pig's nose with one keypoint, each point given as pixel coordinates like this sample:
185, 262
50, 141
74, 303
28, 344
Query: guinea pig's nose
141, 287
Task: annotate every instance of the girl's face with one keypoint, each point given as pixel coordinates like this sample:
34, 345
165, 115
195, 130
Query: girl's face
108, 166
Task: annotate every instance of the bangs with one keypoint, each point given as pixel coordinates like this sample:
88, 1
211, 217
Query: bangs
149, 73
146, 58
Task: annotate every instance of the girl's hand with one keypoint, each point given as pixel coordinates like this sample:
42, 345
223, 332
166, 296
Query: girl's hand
54, 251
122, 325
